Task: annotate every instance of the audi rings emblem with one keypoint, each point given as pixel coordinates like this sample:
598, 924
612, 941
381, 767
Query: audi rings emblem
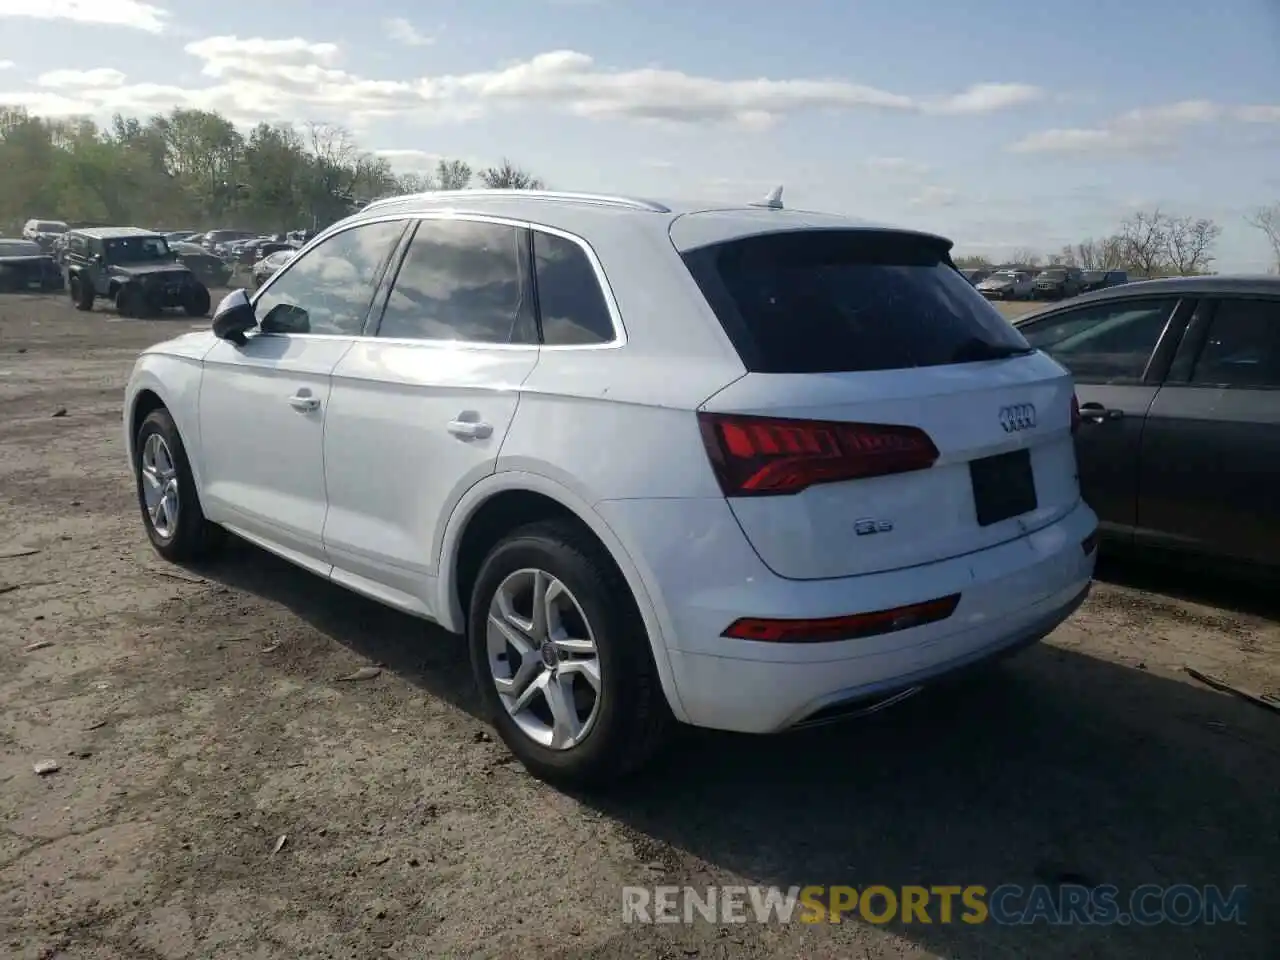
1020, 416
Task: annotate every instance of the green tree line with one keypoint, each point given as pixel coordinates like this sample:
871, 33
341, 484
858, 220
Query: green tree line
194, 169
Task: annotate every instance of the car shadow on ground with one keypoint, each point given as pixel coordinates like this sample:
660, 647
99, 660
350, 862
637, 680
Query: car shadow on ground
1052, 768
1186, 578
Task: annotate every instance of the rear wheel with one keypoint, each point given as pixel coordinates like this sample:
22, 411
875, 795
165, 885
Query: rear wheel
562, 659
81, 294
167, 497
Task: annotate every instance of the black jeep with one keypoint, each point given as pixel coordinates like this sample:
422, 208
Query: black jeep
132, 267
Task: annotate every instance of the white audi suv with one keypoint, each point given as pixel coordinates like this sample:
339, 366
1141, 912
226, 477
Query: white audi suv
740, 467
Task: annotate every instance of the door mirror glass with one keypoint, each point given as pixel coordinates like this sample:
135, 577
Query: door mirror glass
234, 317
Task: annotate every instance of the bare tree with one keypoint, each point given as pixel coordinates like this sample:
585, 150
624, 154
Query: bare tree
1189, 244
1104, 254
1267, 219
1145, 241
972, 261
1026, 257
453, 174
510, 177
414, 183
1066, 257
331, 143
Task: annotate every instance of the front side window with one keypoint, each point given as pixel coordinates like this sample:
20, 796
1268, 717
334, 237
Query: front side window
329, 290
1243, 346
1106, 343
461, 280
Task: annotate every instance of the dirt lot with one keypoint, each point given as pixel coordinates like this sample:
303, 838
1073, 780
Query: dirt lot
197, 718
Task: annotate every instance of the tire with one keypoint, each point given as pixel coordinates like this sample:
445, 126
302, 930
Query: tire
192, 537
81, 294
129, 301
630, 719
196, 300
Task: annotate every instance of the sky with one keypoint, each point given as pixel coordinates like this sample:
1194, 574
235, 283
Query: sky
1003, 125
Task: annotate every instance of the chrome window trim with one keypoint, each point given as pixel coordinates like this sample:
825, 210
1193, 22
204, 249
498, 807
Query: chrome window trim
611, 302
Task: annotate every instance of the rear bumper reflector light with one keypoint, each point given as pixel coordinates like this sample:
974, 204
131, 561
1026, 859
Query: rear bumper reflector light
851, 627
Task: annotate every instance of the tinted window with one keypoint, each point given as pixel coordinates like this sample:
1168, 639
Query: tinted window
1104, 343
1243, 346
827, 301
461, 280
330, 289
570, 303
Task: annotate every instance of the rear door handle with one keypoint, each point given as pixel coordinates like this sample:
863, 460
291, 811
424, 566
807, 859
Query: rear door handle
470, 429
304, 402
1097, 413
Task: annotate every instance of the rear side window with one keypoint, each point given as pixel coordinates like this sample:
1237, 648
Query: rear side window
827, 301
1243, 346
570, 302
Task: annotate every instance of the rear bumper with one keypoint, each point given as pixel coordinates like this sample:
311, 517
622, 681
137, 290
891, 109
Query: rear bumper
1012, 595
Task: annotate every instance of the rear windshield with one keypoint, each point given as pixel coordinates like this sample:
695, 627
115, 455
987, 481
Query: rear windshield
50, 226
828, 301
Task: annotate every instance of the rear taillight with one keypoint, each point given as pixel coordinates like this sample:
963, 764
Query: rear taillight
767, 456
1075, 413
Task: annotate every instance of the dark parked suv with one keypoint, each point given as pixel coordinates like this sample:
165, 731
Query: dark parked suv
134, 268
1057, 283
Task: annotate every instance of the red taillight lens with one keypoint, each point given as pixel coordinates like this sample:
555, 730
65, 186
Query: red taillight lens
1075, 413
852, 627
767, 456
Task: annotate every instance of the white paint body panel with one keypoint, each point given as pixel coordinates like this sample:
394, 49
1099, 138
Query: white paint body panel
372, 489
811, 535
262, 460
393, 468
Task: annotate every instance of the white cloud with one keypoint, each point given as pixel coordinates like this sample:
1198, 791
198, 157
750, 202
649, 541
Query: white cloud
98, 77
7, 64
933, 196
117, 13
898, 166
411, 161
255, 79
1146, 130
402, 31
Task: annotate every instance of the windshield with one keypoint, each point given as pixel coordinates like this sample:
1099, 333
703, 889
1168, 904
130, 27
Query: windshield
1053, 274
50, 226
135, 249
19, 248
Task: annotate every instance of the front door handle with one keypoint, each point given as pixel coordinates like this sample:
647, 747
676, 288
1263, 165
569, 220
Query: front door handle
304, 402
1097, 413
470, 430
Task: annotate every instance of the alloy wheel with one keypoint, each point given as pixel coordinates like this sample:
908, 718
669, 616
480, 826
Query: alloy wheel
543, 659
160, 486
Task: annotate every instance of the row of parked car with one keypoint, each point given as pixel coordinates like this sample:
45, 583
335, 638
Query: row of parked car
1055, 282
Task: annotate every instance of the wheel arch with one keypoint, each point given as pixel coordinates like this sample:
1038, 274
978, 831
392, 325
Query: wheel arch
502, 501
177, 392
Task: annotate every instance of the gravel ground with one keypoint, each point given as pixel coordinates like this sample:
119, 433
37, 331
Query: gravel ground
198, 717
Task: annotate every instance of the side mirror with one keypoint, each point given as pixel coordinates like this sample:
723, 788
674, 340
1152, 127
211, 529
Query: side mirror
234, 317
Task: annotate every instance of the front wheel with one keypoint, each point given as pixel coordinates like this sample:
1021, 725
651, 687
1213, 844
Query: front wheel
562, 659
196, 300
171, 511
81, 294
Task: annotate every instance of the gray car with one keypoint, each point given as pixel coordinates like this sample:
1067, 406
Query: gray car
1006, 285
1178, 440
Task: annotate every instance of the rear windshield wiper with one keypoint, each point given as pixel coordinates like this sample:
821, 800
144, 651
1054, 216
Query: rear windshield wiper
975, 349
